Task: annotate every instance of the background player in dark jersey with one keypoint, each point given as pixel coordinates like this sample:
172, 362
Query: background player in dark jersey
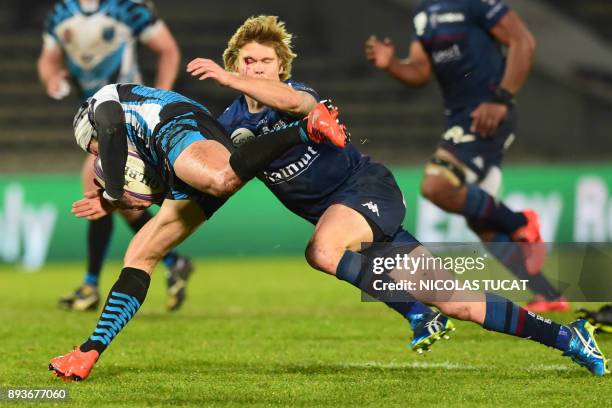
350, 199
188, 148
92, 43
460, 42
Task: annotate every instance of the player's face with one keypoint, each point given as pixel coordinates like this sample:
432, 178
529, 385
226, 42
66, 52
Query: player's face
259, 61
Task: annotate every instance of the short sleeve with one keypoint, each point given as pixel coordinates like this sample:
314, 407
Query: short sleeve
141, 18
49, 34
106, 93
487, 13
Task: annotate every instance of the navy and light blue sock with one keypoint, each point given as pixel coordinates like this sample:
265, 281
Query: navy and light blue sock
350, 270
124, 300
99, 233
504, 316
481, 206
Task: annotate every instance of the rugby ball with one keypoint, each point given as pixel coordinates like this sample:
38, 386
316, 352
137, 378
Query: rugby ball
241, 135
141, 181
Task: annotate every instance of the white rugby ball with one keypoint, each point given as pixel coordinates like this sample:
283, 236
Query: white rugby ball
141, 181
241, 135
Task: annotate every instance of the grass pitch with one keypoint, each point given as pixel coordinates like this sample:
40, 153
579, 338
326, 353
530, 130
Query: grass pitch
273, 332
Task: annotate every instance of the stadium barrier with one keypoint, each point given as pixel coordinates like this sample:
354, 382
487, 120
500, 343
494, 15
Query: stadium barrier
574, 202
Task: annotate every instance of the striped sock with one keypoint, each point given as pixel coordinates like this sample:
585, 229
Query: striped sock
513, 258
481, 206
123, 302
504, 316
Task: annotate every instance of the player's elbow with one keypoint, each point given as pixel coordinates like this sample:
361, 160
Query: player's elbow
527, 43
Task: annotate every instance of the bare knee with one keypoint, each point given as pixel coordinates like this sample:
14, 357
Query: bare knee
224, 184
322, 257
442, 193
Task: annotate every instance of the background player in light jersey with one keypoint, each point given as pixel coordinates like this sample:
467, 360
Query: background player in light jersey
91, 43
460, 41
189, 149
350, 199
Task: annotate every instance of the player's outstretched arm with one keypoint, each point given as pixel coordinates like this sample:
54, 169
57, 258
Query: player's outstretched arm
413, 71
273, 93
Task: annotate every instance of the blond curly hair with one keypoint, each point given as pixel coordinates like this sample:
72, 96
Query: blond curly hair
265, 30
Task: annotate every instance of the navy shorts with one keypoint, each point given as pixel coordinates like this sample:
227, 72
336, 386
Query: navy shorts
174, 137
477, 153
373, 192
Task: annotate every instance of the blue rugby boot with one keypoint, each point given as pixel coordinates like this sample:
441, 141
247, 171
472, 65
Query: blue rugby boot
427, 329
583, 348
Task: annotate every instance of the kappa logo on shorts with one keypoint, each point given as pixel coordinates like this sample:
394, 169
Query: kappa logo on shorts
372, 207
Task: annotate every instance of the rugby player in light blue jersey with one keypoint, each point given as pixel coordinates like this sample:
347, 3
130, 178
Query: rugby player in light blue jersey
187, 148
88, 44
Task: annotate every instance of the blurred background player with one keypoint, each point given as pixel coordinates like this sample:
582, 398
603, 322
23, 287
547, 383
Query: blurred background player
189, 149
461, 43
88, 44
349, 199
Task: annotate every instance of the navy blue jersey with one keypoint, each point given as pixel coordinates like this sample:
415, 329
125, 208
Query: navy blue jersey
99, 45
307, 174
467, 60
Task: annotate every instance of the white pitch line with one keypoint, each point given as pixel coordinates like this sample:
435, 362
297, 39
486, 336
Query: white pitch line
447, 365
415, 364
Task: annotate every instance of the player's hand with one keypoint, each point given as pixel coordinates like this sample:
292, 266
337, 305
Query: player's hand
487, 117
380, 53
57, 86
92, 206
204, 68
127, 202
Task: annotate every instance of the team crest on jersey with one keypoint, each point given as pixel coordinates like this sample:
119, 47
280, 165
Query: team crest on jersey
420, 23
108, 34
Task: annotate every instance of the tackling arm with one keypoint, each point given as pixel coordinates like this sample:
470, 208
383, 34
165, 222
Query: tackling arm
275, 94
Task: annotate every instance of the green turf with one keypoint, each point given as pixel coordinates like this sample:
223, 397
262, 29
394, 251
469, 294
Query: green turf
274, 332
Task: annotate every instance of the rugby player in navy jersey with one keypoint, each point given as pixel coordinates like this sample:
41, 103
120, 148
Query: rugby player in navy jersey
461, 41
92, 43
179, 139
352, 200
